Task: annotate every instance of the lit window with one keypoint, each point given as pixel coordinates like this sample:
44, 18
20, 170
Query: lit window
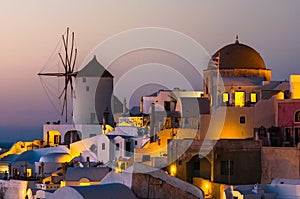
56, 139
173, 170
297, 116
84, 183
62, 183
280, 95
225, 97
239, 99
253, 97
28, 172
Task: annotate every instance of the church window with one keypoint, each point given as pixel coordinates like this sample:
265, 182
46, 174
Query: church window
239, 99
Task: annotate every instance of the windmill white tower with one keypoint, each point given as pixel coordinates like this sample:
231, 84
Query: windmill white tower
93, 95
90, 96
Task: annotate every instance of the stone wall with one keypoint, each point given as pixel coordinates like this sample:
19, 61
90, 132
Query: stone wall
147, 186
279, 162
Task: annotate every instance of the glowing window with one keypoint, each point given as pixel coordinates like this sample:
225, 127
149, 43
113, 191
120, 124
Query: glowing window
253, 97
239, 99
280, 95
297, 116
28, 172
84, 183
62, 183
173, 170
225, 97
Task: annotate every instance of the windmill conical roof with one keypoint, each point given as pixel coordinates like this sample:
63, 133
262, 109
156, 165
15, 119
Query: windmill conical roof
94, 69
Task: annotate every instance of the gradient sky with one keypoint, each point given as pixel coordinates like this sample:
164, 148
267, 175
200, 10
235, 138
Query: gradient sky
30, 30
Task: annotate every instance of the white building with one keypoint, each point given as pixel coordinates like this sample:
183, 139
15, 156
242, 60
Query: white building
93, 95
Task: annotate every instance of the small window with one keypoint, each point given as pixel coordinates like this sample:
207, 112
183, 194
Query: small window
225, 97
83, 79
103, 146
242, 120
56, 139
87, 88
145, 158
117, 147
227, 167
297, 116
253, 97
28, 172
135, 142
288, 135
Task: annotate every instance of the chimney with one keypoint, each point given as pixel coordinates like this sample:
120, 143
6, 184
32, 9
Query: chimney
88, 162
124, 105
152, 123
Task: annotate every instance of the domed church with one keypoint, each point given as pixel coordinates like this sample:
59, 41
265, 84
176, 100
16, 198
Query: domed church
232, 75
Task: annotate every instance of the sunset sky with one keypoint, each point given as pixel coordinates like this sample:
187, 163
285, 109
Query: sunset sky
30, 30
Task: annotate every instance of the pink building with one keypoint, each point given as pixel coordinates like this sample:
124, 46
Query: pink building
288, 119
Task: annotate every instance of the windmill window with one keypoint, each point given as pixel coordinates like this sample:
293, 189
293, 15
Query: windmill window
83, 79
103, 146
297, 116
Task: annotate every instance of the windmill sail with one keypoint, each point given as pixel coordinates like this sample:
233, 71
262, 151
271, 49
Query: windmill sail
68, 60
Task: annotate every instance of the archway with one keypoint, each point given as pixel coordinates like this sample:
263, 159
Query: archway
72, 136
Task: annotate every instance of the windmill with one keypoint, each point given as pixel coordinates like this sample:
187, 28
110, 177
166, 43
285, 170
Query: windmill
68, 60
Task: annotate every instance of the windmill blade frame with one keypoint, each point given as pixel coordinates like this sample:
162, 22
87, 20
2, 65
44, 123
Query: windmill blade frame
68, 63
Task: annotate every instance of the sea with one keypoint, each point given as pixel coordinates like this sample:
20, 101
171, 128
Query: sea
5, 145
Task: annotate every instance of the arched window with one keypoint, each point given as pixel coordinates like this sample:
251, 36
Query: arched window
297, 116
